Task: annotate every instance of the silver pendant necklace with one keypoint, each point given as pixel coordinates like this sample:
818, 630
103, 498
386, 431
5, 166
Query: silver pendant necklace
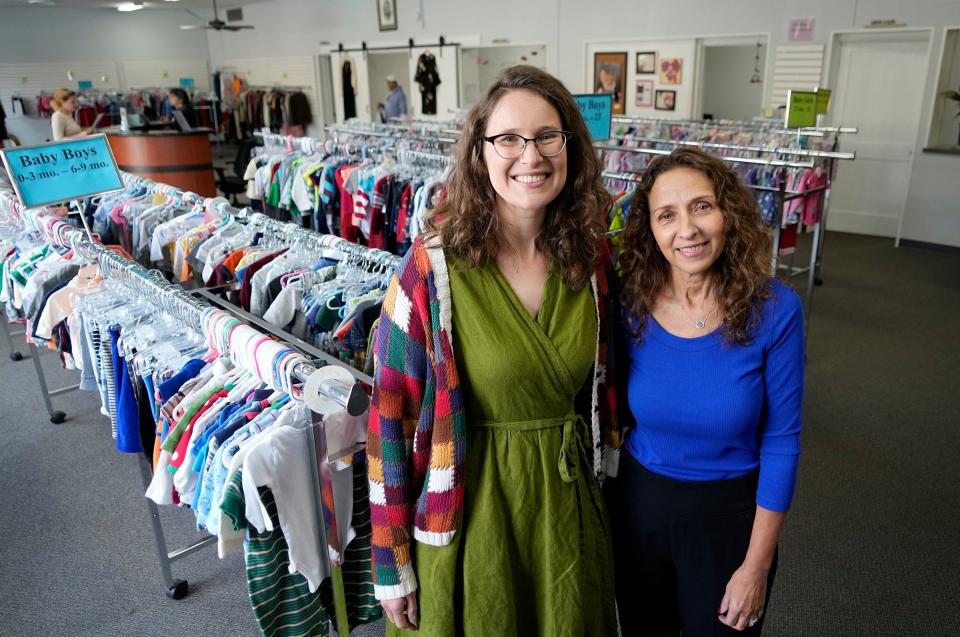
698, 323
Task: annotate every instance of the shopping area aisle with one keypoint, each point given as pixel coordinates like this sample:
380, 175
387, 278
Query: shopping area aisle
869, 547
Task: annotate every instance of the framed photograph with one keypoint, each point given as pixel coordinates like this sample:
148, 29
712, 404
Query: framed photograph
387, 14
610, 76
671, 70
644, 93
666, 101
646, 63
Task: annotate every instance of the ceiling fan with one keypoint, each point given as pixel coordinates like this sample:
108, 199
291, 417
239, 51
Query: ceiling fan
216, 24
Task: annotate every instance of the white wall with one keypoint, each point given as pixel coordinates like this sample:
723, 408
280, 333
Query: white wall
56, 34
727, 91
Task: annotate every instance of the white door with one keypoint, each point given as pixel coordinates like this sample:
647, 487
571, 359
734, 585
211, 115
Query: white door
356, 70
447, 93
878, 81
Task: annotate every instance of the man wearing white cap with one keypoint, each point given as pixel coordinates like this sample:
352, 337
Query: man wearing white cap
396, 102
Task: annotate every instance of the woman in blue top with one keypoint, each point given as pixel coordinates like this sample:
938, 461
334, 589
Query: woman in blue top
715, 386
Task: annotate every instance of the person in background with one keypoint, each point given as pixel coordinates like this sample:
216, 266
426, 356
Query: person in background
180, 101
715, 385
396, 102
62, 122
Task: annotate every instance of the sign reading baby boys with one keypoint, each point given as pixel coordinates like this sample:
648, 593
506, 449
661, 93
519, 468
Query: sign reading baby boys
61, 171
596, 109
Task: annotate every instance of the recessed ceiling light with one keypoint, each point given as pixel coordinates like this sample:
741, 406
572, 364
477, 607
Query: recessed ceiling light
126, 7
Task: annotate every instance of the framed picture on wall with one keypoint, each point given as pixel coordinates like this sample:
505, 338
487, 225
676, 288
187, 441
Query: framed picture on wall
666, 101
644, 93
387, 14
610, 76
646, 63
671, 70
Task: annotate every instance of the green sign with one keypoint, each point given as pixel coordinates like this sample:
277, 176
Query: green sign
596, 110
801, 109
85, 85
60, 171
823, 100
187, 82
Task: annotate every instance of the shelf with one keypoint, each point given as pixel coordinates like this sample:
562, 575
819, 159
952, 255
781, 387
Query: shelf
943, 150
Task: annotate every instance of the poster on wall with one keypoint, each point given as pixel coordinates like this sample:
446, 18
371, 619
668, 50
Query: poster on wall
671, 70
610, 76
387, 15
646, 63
666, 101
644, 93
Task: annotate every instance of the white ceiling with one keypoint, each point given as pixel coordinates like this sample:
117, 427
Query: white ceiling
150, 5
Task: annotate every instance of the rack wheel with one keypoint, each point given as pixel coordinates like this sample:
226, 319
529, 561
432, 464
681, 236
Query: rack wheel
58, 417
179, 589
16, 356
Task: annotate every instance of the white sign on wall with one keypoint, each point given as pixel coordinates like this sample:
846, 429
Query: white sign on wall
801, 30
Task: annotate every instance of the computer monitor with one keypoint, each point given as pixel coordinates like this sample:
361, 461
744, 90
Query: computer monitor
182, 121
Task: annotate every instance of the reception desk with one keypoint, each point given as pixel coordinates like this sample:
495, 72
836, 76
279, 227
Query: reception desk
183, 160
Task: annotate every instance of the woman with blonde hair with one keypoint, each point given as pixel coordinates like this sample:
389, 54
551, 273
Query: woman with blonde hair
491, 411
62, 122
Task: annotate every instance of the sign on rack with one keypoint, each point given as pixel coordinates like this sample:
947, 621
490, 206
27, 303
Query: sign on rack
596, 110
823, 101
801, 109
61, 171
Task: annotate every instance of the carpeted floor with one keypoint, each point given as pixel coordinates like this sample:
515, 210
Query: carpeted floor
869, 548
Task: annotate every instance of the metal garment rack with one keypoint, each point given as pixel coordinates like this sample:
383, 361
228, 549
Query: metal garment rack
177, 303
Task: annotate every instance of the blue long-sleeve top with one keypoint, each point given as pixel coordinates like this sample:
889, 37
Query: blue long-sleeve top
709, 410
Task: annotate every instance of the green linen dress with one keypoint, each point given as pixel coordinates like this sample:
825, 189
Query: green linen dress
533, 555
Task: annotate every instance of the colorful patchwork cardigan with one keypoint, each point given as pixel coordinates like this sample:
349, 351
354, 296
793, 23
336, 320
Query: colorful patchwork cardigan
416, 442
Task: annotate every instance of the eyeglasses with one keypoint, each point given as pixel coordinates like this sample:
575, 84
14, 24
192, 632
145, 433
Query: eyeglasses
510, 145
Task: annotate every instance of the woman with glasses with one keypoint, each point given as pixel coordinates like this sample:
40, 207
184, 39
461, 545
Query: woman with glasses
490, 411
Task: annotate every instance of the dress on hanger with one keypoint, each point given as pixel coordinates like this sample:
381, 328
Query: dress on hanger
533, 555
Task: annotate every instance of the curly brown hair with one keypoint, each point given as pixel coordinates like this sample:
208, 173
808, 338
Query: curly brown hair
573, 232
742, 269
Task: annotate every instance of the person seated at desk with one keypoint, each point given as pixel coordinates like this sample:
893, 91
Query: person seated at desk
61, 122
180, 101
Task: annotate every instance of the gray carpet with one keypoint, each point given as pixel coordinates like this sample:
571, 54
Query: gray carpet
870, 547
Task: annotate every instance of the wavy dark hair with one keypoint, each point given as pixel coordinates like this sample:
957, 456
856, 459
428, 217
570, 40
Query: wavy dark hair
573, 232
742, 269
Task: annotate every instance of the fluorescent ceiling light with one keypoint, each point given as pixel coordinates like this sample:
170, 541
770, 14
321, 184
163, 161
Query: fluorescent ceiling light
129, 6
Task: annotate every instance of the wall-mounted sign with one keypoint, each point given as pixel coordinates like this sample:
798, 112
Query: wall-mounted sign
823, 101
85, 85
801, 109
596, 109
60, 171
801, 29
187, 82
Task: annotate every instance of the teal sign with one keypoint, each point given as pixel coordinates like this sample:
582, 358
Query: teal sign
187, 82
60, 171
596, 110
85, 85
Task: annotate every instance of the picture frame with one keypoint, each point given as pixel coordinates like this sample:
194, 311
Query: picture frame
644, 98
647, 63
666, 100
610, 76
387, 14
671, 71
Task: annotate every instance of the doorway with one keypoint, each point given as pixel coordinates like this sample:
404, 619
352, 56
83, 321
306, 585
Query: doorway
380, 65
878, 80
732, 80
480, 66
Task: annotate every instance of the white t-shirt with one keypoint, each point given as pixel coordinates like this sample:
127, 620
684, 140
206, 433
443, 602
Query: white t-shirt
63, 125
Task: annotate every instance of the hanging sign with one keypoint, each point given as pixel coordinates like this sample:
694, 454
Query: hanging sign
801, 29
84, 85
823, 101
60, 171
596, 110
801, 109
187, 82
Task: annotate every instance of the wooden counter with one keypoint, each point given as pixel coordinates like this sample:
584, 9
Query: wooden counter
183, 160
